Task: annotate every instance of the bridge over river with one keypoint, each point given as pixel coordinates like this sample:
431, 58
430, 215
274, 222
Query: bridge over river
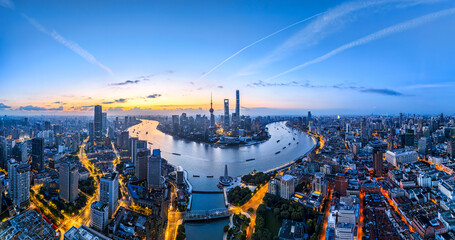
205, 215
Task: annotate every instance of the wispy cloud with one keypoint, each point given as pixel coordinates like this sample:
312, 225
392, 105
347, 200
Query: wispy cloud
7, 4
431, 85
56, 109
142, 78
69, 44
155, 95
339, 86
254, 43
120, 100
382, 91
127, 82
332, 20
3, 106
372, 37
36, 108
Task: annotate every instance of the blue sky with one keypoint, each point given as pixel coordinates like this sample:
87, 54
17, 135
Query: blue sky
372, 56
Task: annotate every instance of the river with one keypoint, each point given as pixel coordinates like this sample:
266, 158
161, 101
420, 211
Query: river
201, 160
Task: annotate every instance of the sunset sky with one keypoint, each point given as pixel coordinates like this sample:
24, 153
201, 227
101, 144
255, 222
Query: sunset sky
285, 57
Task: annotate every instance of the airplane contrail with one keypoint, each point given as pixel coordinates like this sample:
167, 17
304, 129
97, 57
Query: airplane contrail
372, 37
69, 44
254, 43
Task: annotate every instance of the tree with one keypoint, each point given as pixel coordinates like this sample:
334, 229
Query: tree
226, 228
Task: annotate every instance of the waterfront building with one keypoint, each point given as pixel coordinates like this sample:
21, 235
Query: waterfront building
180, 176
19, 183
99, 215
154, 172
109, 188
98, 120
69, 177
237, 105
225, 180
212, 127
226, 115
309, 118
37, 154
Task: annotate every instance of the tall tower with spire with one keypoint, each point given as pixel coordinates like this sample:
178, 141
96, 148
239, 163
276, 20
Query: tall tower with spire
212, 117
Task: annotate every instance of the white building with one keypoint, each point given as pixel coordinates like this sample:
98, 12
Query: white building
287, 186
19, 183
447, 189
424, 180
99, 215
401, 156
109, 191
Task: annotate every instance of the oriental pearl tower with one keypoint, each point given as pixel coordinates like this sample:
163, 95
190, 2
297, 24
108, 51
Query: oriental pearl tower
212, 117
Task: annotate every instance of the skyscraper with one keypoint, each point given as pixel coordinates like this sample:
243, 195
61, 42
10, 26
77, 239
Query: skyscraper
379, 148
104, 122
19, 183
109, 191
140, 165
133, 149
69, 177
237, 103
154, 172
37, 154
3, 152
309, 118
98, 126
226, 114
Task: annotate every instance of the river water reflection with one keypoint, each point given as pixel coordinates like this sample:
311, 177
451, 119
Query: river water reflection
202, 160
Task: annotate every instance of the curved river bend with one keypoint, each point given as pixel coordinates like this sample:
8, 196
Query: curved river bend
205, 160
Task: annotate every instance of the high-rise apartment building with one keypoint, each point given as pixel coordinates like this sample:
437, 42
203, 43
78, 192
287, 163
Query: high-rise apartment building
37, 154
69, 178
154, 172
287, 186
19, 183
99, 215
109, 188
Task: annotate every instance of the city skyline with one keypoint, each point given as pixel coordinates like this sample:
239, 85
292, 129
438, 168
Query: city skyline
357, 57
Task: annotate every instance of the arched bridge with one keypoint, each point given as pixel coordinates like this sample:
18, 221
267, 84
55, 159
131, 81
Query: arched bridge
204, 215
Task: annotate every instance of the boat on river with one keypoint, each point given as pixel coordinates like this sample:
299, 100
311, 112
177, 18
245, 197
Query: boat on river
250, 159
278, 152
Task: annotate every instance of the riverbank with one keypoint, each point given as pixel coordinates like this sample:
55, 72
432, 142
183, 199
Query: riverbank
219, 140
